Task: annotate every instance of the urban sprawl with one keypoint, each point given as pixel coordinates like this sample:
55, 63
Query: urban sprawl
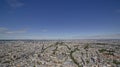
60, 53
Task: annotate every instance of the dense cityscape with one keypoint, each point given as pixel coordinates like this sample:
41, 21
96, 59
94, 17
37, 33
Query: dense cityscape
60, 53
59, 33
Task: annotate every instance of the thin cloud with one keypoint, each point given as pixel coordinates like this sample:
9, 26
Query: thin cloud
14, 3
3, 29
7, 31
44, 30
109, 36
118, 11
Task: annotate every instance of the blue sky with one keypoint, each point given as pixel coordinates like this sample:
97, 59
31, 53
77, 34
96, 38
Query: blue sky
59, 19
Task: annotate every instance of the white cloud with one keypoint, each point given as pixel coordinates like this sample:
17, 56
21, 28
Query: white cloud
15, 32
14, 3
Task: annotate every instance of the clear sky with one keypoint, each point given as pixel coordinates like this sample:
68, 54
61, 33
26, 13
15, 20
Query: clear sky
59, 19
